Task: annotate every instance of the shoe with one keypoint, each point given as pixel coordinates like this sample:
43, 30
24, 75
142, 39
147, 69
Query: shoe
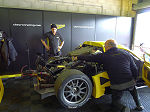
125, 109
140, 108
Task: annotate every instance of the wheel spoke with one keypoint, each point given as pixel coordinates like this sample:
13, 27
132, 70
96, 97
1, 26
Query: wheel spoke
82, 88
81, 92
77, 82
80, 96
81, 84
68, 87
72, 83
68, 95
71, 98
75, 98
67, 91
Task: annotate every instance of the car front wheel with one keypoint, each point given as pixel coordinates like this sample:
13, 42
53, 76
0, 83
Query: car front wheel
73, 88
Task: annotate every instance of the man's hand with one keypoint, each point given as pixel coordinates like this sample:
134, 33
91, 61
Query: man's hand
47, 47
74, 58
59, 48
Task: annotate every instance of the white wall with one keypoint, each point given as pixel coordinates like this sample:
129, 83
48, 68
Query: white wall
106, 7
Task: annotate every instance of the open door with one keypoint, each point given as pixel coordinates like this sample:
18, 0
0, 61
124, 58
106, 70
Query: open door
1, 90
146, 70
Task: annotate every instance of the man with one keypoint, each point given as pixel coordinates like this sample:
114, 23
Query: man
53, 41
122, 72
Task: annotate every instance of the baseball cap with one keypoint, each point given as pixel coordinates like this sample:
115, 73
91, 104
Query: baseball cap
53, 26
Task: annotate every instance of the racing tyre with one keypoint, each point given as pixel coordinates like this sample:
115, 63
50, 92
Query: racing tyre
73, 88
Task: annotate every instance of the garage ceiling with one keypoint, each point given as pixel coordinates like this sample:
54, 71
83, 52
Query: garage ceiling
143, 4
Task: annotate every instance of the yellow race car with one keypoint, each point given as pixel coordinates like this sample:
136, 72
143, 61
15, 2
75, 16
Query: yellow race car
74, 82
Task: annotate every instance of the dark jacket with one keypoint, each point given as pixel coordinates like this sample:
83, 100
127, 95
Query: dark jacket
8, 52
12, 51
118, 63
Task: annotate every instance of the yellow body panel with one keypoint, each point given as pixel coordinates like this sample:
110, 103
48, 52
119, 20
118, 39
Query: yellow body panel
100, 44
98, 89
145, 70
1, 83
1, 90
60, 66
95, 43
10, 76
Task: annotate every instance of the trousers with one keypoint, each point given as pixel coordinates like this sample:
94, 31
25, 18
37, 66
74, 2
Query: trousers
117, 95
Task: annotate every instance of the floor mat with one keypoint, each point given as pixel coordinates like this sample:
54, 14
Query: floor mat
20, 97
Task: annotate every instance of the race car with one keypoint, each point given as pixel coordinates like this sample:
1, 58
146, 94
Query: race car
75, 82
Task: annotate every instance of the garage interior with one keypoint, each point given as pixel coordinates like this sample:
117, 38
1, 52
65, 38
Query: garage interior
126, 21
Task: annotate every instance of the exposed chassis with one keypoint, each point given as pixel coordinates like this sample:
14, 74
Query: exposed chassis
57, 71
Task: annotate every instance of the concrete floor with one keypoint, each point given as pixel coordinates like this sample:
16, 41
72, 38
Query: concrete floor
20, 97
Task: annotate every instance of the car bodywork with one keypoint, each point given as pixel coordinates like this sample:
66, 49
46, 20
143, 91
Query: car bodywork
1, 90
73, 82
64, 70
1, 83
